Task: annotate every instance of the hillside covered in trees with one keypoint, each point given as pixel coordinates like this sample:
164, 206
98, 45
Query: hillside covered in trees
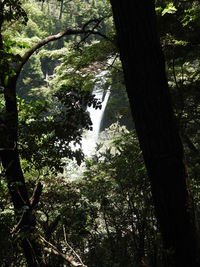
134, 200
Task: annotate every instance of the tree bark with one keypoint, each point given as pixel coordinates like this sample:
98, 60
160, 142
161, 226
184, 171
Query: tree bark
147, 88
61, 10
24, 209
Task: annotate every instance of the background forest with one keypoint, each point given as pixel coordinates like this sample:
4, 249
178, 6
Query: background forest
95, 210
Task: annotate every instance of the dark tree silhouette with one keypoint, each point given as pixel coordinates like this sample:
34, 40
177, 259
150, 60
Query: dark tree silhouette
147, 88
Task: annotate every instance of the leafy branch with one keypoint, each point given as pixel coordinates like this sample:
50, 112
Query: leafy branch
83, 30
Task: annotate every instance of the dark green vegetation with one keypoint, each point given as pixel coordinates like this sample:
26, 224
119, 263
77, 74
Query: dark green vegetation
53, 214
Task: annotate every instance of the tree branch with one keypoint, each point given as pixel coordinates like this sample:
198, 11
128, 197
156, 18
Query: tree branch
43, 42
56, 37
71, 249
36, 195
53, 249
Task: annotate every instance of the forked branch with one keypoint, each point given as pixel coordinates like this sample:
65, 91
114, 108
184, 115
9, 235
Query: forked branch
53, 249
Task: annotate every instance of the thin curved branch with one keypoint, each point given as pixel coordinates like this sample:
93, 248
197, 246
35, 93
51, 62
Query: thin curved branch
56, 37
68, 245
43, 42
65, 257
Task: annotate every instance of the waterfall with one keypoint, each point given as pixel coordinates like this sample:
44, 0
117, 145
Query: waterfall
96, 115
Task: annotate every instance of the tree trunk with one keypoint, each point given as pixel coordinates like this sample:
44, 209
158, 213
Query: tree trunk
147, 88
24, 209
61, 9
42, 5
48, 7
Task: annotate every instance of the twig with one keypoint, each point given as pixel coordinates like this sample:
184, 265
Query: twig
55, 250
36, 195
65, 238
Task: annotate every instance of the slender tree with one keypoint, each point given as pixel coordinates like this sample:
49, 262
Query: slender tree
61, 9
147, 88
9, 73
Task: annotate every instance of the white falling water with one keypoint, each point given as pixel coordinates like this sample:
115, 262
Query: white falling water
96, 115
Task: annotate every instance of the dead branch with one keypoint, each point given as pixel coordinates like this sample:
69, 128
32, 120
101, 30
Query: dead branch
68, 245
54, 249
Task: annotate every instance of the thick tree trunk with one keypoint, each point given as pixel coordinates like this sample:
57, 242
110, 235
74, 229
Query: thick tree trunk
146, 83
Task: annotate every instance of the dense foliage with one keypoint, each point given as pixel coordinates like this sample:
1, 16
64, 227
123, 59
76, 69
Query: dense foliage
102, 213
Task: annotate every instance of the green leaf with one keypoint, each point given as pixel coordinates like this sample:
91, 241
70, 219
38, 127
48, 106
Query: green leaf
6, 80
158, 10
169, 9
